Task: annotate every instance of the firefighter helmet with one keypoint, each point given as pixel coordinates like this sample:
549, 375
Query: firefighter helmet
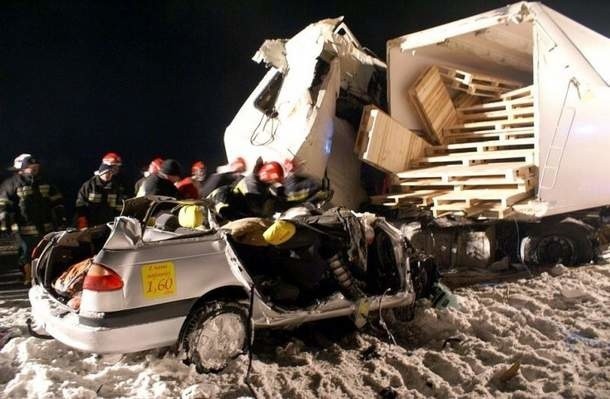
271, 172
113, 159
23, 161
155, 165
198, 171
198, 167
238, 165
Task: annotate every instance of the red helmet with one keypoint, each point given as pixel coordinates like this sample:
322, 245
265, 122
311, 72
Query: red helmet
198, 167
238, 165
155, 165
271, 172
198, 171
113, 159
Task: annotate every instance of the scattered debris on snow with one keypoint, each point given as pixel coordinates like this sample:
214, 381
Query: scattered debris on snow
548, 336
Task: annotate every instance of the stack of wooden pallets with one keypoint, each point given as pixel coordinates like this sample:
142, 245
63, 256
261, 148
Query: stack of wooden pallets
476, 84
486, 162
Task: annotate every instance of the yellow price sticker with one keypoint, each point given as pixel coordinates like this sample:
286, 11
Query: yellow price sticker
158, 280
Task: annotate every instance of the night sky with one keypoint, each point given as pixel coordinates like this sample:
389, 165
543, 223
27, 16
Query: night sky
81, 78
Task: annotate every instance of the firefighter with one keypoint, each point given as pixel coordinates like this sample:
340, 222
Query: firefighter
114, 160
153, 169
299, 189
191, 187
99, 199
163, 183
225, 176
252, 195
30, 207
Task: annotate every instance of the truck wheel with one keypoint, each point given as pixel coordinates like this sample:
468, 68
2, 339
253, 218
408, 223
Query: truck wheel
566, 243
216, 333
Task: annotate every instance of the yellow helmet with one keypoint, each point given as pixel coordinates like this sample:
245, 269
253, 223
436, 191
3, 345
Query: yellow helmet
279, 232
191, 216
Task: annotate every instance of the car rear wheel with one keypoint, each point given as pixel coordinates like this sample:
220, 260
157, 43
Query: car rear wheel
216, 333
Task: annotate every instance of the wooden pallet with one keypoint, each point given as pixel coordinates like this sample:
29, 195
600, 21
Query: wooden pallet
493, 134
527, 91
519, 184
485, 125
490, 211
432, 102
495, 105
476, 84
468, 198
384, 143
498, 110
463, 100
487, 115
473, 158
482, 146
419, 197
508, 170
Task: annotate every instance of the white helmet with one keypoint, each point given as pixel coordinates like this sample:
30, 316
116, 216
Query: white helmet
23, 161
296, 212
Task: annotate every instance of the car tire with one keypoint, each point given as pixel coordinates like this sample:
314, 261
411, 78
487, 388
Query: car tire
215, 334
567, 243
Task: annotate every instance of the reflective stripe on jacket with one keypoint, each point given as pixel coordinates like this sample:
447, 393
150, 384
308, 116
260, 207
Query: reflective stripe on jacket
98, 201
28, 200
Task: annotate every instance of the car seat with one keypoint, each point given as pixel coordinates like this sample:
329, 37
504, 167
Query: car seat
167, 222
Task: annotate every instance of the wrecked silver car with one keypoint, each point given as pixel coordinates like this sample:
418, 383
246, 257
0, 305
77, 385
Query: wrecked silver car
152, 280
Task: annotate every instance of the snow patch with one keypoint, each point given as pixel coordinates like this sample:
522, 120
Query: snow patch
548, 336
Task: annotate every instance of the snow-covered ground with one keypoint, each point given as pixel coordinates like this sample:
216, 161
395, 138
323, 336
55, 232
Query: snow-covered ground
544, 337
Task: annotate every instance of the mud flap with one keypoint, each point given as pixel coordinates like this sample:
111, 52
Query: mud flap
442, 297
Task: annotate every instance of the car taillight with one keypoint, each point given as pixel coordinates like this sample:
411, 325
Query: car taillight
100, 278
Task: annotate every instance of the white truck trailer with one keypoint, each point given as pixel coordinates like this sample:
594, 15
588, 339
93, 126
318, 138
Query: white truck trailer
561, 136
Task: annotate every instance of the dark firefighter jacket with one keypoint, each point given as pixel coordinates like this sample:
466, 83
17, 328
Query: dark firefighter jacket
98, 201
156, 185
249, 197
190, 188
217, 180
30, 205
299, 189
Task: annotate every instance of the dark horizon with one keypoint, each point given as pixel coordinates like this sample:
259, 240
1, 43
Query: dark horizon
79, 79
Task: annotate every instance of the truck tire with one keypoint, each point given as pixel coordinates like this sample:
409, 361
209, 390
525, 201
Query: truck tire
215, 334
567, 243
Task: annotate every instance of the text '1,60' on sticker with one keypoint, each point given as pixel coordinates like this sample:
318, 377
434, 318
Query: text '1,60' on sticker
158, 280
